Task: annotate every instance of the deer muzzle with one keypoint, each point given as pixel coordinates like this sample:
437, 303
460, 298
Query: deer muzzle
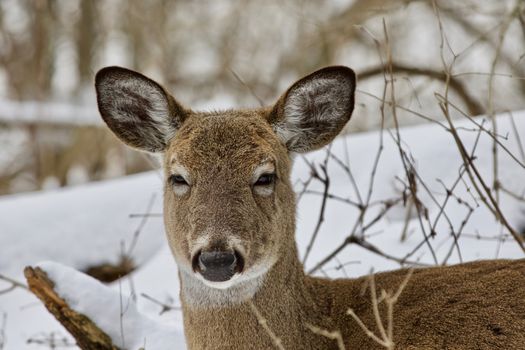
216, 265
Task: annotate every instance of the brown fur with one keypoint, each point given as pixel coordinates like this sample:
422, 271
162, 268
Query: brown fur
471, 306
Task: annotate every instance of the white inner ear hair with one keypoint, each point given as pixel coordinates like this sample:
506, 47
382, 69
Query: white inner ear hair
136, 94
323, 100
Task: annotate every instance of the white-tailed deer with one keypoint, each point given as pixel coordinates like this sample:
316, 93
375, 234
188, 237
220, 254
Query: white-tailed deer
229, 214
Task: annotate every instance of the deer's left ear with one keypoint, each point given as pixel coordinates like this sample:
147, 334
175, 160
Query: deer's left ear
315, 109
139, 111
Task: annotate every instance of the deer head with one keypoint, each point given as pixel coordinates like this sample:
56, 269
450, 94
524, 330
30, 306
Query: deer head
228, 202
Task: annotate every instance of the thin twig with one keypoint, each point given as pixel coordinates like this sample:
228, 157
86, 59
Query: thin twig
262, 321
325, 180
333, 335
165, 307
14, 284
250, 89
141, 225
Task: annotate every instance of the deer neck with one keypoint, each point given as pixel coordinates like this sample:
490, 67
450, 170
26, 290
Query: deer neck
283, 297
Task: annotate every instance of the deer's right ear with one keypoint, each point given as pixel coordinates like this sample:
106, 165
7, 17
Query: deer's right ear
314, 109
137, 109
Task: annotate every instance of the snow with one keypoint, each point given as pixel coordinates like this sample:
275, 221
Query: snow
29, 112
87, 224
110, 310
81, 226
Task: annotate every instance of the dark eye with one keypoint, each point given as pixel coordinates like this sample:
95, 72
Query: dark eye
177, 180
265, 180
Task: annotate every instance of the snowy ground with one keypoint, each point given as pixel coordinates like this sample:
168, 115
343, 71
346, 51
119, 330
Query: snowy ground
90, 224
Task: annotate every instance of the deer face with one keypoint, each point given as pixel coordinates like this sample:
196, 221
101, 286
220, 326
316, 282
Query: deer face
228, 203
227, 198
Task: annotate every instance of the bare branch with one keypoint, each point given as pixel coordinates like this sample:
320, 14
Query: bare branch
473, 106
165, 307
14, 284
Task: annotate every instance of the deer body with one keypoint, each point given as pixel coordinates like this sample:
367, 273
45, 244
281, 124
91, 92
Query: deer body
469, 306
229, 214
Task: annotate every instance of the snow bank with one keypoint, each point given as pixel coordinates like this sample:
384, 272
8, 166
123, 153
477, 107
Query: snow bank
81, 226
116, 314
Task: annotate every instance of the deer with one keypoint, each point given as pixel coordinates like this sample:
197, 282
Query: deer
229, 216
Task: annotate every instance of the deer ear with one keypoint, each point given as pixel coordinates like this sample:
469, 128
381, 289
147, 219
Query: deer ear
138, 110
314, 109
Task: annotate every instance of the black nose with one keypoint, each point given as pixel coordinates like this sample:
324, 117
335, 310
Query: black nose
217, 266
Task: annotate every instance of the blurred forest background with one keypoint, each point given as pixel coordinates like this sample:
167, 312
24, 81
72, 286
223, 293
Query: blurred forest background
224, 54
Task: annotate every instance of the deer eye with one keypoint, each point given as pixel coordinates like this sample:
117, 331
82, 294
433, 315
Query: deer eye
177, 180
265, 180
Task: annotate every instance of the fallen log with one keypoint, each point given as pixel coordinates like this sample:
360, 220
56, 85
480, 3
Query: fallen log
86, 333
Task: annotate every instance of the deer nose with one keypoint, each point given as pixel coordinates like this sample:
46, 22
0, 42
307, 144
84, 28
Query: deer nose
216, 265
